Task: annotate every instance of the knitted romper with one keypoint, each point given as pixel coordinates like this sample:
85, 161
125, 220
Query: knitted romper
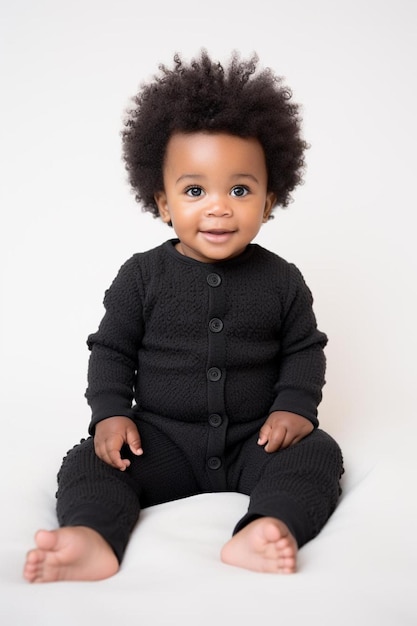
199, 355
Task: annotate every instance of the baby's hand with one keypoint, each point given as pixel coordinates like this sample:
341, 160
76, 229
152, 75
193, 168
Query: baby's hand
110, 435
283, 429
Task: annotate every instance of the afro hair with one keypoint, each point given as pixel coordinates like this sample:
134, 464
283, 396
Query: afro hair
205, 96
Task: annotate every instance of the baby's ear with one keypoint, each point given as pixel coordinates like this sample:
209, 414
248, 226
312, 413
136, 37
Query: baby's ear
162, 204
269, 205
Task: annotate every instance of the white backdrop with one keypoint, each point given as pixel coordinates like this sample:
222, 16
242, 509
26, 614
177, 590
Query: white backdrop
69, 220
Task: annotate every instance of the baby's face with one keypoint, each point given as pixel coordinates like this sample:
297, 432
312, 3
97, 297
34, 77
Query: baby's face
215, 193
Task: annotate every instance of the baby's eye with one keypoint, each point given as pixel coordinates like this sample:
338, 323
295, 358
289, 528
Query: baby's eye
240, 191
194, 191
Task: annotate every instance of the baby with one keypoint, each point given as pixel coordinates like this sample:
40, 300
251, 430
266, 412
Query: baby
207, 368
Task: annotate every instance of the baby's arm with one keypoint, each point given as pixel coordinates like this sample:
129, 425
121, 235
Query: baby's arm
111, 434
283, 429
113, 363
302, 365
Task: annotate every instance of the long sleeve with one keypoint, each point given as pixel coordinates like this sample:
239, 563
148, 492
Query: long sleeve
114, 348
302, 359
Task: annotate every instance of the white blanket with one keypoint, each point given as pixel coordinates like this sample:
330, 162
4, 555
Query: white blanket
359, 570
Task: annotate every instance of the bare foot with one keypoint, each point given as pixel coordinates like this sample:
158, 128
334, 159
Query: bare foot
69, 553
264, 545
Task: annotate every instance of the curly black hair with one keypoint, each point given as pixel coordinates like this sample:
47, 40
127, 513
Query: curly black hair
205, 96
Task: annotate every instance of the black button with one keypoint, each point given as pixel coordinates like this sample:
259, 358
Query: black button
215, 420
214, 280
214, 374
215, 325
214, 463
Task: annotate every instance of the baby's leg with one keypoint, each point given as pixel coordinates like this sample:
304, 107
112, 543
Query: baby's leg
264, 545
297, 487
97, 507
91, 493
71, 553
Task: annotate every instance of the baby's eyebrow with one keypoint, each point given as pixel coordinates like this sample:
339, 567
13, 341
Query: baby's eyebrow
242, 175
237, 176
187, 176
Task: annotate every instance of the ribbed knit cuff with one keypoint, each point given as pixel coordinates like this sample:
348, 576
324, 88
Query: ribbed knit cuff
99, 519
104, 406
296, 401
284, 509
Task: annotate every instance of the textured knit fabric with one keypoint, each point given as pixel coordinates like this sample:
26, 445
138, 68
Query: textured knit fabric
186, 339
198, 355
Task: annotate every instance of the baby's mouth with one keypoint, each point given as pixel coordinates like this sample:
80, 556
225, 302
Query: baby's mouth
217, 234
218, 231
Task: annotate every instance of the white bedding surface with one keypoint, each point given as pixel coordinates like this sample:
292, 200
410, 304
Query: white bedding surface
361, 569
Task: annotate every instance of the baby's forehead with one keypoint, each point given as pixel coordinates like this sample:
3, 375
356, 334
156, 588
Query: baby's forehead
209, 141
216, 160
203, 148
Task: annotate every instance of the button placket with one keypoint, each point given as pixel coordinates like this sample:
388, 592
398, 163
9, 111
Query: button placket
217, 418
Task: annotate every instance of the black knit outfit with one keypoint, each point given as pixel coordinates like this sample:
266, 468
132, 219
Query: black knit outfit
199, 355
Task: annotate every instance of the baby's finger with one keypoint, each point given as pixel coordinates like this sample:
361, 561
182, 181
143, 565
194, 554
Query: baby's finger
264, 434
111, 454
276, 439
134, 442
289, 440
115, 460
